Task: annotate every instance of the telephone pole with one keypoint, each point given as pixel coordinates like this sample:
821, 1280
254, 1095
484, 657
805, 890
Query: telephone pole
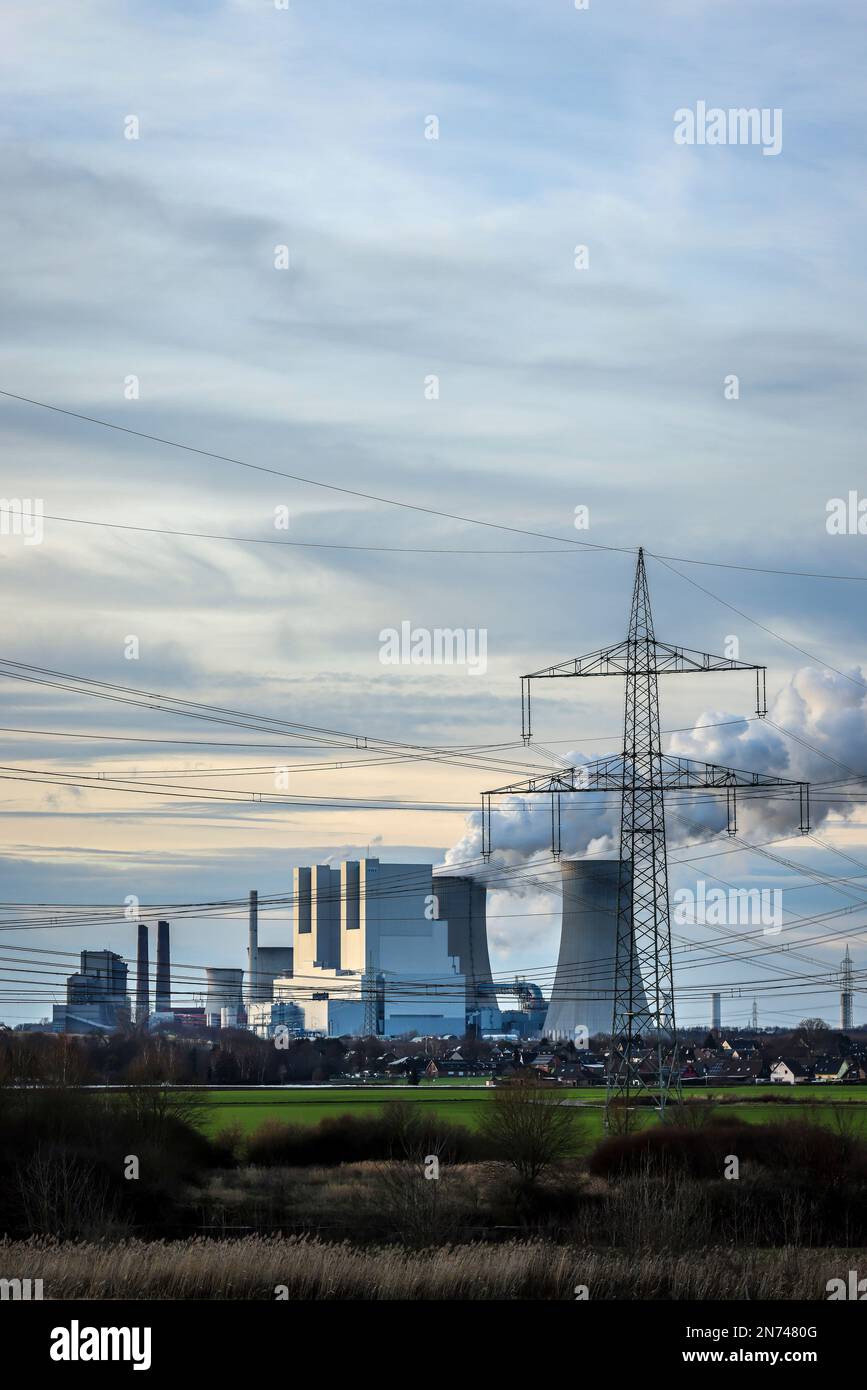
643, 1069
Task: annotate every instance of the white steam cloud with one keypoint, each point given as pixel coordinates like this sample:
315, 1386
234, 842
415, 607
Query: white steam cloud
824, 716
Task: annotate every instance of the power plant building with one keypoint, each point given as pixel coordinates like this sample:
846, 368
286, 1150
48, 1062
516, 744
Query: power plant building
582, 1000
264, 963
268, 1018
96, 996
374, 951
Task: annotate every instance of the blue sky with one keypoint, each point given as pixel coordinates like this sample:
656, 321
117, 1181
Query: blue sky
410, 257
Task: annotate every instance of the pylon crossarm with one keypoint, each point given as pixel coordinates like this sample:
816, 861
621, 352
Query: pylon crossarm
607, 661
613, 773
640, 656
654, 657
669, 774
603, 774
688, 773
669, 658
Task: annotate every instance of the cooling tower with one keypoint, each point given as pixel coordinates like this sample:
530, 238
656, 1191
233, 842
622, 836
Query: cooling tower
163, 990
142, 984
462, 903
583, 993
223, 991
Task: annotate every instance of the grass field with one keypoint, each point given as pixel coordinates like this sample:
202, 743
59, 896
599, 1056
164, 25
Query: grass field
255, 1266
460, 1105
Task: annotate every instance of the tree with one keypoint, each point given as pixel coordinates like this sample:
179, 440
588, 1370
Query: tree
529, 1126
814, 1031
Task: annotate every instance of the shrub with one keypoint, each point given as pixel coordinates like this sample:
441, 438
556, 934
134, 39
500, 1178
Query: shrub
809, 1150
398, 1132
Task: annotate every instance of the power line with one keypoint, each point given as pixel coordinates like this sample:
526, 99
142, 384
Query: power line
764, 628
387, 501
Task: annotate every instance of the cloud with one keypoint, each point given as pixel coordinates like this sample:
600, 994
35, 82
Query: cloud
816, 732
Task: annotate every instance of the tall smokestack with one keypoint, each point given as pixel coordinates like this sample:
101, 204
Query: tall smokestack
253, 989
142, 985
163, 993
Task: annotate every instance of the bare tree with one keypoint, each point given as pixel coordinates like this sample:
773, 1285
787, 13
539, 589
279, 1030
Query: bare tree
530, 1127
153, 1096
64, 1195
814, 1031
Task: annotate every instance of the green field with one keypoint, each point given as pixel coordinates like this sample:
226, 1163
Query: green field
456, 1102
249, 1109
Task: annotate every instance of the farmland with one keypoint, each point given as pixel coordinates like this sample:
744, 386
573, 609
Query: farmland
464, 1103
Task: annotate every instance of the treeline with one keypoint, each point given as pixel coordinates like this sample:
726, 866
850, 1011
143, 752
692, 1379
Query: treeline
236, 1057
34, 1059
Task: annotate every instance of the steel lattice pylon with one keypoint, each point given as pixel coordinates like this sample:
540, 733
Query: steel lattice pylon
643, 1060
642, 1010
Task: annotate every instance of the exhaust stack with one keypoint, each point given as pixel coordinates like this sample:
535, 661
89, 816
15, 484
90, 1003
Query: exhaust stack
142, 983
163, 992
254, 992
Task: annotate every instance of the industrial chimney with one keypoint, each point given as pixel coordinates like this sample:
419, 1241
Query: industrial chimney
142, 984
163, 993
253, 990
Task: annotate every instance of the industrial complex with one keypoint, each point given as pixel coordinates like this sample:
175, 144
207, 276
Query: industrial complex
382, 950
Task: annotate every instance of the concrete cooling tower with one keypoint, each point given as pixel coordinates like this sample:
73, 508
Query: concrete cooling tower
583, 993
462, 902
222, 991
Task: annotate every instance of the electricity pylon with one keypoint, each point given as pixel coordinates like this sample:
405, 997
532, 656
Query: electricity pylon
643, 1065
846, 992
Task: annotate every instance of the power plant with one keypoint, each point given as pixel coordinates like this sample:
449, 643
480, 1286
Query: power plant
390, 950
96, 996
372, 951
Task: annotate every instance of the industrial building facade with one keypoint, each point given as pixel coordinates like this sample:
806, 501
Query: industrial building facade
387, 949
96, 996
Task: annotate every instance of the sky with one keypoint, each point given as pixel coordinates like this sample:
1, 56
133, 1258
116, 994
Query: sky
283, 268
